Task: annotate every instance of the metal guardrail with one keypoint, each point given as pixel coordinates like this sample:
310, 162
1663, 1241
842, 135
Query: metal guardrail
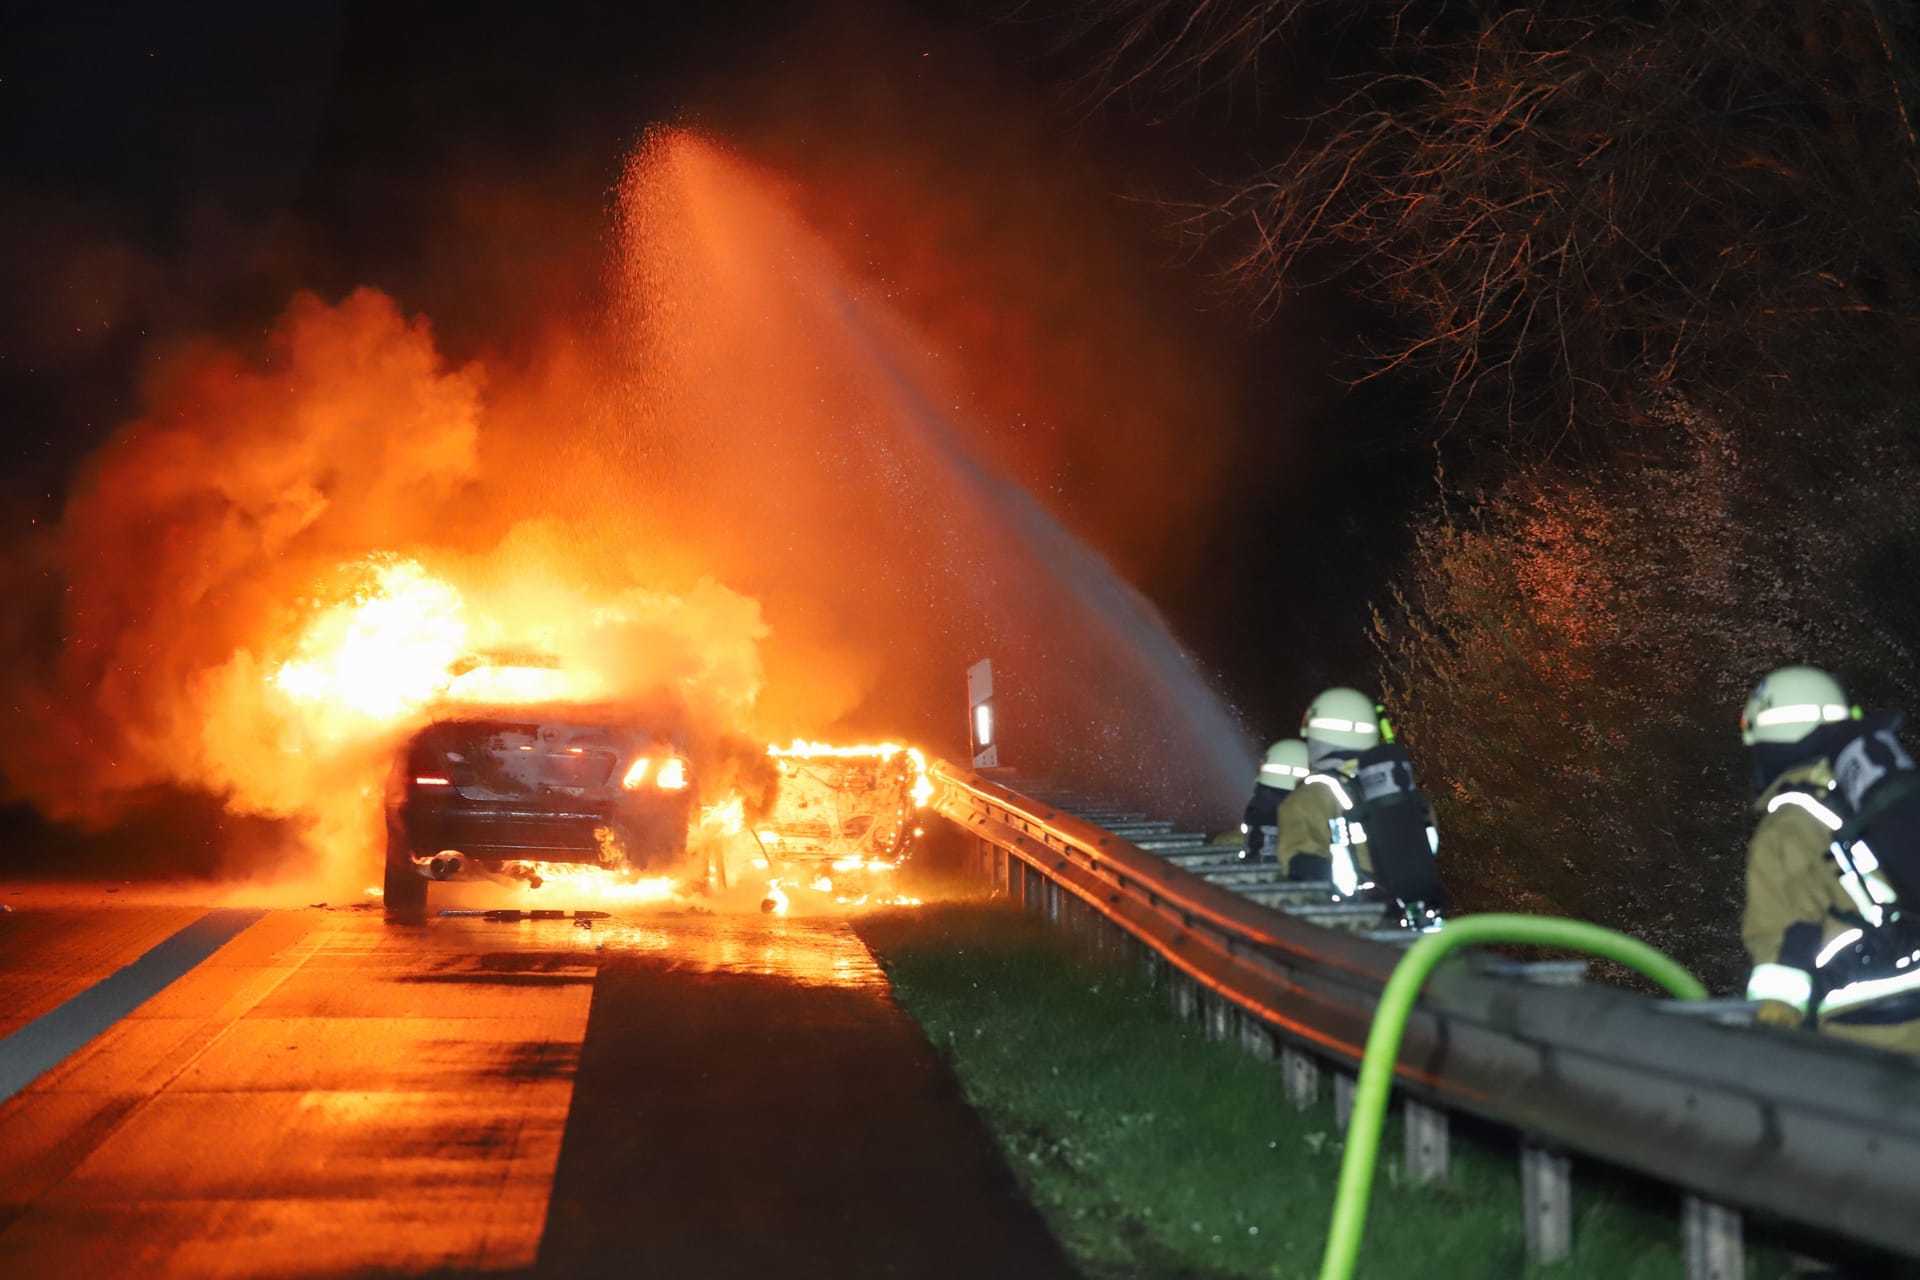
1819, 1132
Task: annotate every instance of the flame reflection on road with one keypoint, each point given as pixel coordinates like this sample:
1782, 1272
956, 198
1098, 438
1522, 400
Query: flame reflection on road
809, 951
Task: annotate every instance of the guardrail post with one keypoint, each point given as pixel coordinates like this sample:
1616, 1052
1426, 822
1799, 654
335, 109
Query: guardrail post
1255, 1038
1220, 1012
1546, 1193
1426, 1142
1343, 1086
1710, 1237
1182, 995
1302, 1076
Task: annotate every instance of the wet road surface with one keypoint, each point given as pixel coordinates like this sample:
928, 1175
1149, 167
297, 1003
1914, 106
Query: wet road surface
665, 1095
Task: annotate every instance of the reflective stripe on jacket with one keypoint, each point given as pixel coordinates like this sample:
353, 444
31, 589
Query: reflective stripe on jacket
1804, 912
1312, 821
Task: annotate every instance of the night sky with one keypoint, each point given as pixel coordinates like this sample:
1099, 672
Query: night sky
170, 175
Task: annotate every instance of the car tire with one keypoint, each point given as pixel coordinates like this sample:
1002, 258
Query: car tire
404, 890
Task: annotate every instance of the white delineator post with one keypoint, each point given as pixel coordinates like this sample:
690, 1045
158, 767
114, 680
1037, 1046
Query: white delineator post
981, 730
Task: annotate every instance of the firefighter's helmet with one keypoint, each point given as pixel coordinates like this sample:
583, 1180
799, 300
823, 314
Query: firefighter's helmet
1791, 703
1342, 718
1285, 765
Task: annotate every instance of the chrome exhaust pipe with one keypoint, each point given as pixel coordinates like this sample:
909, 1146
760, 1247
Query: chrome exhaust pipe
447, 866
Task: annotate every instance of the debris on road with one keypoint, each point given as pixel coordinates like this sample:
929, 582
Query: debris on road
509, 914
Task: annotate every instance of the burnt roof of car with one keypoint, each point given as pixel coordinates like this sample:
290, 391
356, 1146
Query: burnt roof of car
530, 719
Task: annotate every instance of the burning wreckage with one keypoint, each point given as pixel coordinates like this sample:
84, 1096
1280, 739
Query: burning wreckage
841, 822
586, 796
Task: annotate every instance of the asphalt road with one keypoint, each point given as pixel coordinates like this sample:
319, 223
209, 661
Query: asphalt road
317, 1093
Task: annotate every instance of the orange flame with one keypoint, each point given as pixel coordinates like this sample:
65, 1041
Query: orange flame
727, 818
776, 901
395, 647
604, 885
798, 749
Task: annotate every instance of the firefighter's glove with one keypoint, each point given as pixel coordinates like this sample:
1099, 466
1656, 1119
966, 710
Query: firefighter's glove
1774, 1013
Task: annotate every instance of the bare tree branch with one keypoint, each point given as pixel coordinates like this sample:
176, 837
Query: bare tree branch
1568, 206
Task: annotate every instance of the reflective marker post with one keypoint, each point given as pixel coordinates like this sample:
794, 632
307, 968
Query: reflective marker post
982, 733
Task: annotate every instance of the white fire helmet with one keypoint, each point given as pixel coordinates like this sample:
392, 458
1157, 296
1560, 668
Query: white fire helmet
1285, 765
1342, 718
1791, 703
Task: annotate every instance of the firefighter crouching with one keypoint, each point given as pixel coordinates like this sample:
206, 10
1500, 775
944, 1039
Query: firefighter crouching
1834, 855
1357, 818
1280, 772
1338, 726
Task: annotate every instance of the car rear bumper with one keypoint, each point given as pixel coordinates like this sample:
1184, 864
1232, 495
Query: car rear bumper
493, 832
549, 836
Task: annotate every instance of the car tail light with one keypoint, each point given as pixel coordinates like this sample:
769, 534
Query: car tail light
429, 780
670, 775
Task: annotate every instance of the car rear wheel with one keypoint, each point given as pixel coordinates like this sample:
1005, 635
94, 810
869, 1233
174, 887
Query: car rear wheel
404, 889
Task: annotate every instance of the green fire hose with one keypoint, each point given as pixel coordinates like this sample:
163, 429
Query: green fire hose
1390, 1024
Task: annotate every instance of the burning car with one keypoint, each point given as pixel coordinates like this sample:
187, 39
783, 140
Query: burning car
523, 793
842, 821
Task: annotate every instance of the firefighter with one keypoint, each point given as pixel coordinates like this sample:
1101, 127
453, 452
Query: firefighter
1338, 725
1280, 772
1836, 796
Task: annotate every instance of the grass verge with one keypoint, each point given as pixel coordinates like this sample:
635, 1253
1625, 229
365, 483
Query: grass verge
1155, 1152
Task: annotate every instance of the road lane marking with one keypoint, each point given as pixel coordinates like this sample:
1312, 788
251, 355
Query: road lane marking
58, 1034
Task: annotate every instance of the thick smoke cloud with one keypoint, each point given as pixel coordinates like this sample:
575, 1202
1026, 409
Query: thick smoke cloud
208, 520
750, 487
218, 555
